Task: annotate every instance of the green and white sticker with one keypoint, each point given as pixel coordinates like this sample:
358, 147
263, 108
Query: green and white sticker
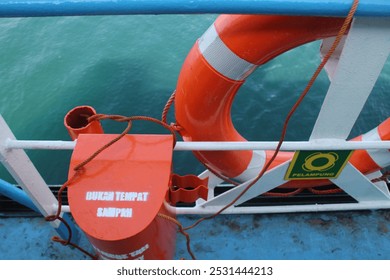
317, 164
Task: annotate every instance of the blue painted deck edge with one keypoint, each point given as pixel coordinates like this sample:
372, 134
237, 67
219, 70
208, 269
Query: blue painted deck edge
28, 8
17, 195
21, 197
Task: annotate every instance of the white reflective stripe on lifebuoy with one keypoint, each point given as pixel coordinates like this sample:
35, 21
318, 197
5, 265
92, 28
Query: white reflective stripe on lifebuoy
221, 58
254, 167
380, 156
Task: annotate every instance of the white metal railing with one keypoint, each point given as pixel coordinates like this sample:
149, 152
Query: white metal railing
321, 144
365, 51
367, 194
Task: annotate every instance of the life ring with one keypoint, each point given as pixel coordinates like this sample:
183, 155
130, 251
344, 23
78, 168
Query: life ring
216, 67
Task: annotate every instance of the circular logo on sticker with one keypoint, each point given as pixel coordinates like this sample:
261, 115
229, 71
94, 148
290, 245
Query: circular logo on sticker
320, 161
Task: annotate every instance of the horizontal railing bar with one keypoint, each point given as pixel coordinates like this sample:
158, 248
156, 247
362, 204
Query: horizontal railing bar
40, 145
284, 208
221, 146
286, 146
32, 8
276, 209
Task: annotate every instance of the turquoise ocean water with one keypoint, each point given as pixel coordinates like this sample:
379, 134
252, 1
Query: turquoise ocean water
129, 65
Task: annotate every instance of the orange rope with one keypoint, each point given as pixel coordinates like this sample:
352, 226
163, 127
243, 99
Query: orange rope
80, 168
324, 192
177, 128
57, 216
279, 194
181, 230
78, 171
384, 177
167, 107
339, 36
119, 118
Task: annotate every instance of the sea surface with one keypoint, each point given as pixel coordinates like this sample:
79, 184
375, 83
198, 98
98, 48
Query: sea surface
129, 65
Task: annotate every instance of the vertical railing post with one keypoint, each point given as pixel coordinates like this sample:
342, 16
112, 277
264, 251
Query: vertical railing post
365, 52
26, 175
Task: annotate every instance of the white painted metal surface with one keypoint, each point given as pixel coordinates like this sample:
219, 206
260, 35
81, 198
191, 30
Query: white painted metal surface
199, 210
365, 191
366, 49
320, 144
331, 65
26, 175
39, 145
269, 181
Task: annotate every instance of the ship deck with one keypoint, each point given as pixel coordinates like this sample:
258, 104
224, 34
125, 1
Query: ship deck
358, 235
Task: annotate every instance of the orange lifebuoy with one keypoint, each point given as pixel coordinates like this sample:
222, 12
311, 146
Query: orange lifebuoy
216, 67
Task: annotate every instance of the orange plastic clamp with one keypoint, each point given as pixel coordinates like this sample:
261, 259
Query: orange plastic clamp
187, 189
